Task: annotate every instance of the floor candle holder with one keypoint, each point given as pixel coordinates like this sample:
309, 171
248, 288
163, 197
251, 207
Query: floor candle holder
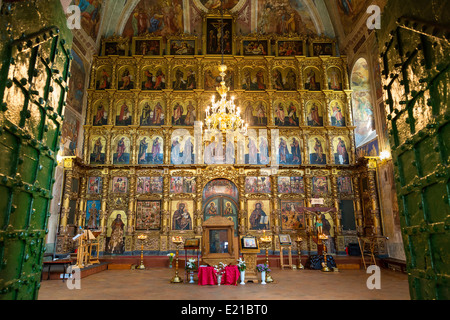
266, 241
142, 238
299, 242
177, 241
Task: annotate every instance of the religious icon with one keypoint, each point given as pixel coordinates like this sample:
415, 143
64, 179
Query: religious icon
340, 155
93, 214
181, 218
334, 79
219, 36
212, 208
104, 78
297, 185
255, 47
312, 79
289, 152
116, 228
259, 219
126, 80
317, 153
295, 151
292, 215
148, 215
290, 185
263, 151
264, 185
182, 47
98, 145
290, 48
120, 185
228, 210
253, 79
182, 150
337, 115
284, 185
152, 114
252, 156
124, 114
149, 185
213, 79
184, 116
344, 185
319, 185
122, 154
155, 156
251, 184
184, 79
220, 187
153, 79
286, 82
94, 185
314, 114
147, 47
101, 117
322, 49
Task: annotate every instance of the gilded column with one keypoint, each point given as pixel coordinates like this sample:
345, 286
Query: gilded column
131, 202
68, 173
358, 207
82, 204
375, 208
334, 190
104, 206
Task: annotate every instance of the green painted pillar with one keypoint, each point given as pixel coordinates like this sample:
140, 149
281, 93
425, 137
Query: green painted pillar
415, 59
35, 47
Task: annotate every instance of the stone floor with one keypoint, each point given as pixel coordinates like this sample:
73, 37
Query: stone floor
154, 284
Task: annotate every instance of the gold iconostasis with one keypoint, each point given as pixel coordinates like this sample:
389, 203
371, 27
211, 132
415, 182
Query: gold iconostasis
148, 169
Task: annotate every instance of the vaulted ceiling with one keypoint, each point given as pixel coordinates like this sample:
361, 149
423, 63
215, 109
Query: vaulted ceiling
104, 18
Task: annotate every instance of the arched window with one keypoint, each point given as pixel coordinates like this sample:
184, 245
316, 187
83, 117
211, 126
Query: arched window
363, 111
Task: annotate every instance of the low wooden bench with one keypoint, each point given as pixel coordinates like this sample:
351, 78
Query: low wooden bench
386, 262
64, 262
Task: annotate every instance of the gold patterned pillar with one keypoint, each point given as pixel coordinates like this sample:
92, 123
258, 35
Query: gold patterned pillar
344, 72
358, 207
375, 208
68, 174
104, 206
131, 202
82, 203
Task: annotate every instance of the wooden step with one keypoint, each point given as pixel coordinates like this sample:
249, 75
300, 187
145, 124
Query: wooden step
114, 266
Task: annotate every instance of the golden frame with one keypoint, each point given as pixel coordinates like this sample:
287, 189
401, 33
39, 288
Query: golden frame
118, 41
136, 39
243, 40
181, 38
226, 18
293, 40
314, 45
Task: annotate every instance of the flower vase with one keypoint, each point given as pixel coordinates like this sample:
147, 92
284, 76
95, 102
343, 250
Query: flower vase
191, 275
263, 277
219, 280
170, 264
242, 277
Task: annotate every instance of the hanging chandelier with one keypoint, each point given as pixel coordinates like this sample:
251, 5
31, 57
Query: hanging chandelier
224, 115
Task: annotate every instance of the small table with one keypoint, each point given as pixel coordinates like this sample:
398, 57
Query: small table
207, 276
65, 263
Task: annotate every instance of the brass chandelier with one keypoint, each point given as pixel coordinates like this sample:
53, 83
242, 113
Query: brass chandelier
224, 115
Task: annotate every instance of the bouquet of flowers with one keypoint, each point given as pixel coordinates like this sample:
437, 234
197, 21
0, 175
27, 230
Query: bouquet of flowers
262, 267
190, 265
220, 269
170, 255
241, 265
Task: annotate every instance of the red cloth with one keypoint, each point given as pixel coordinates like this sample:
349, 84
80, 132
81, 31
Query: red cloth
207, 276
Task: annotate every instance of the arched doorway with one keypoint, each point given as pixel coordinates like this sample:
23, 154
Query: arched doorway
221, 198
